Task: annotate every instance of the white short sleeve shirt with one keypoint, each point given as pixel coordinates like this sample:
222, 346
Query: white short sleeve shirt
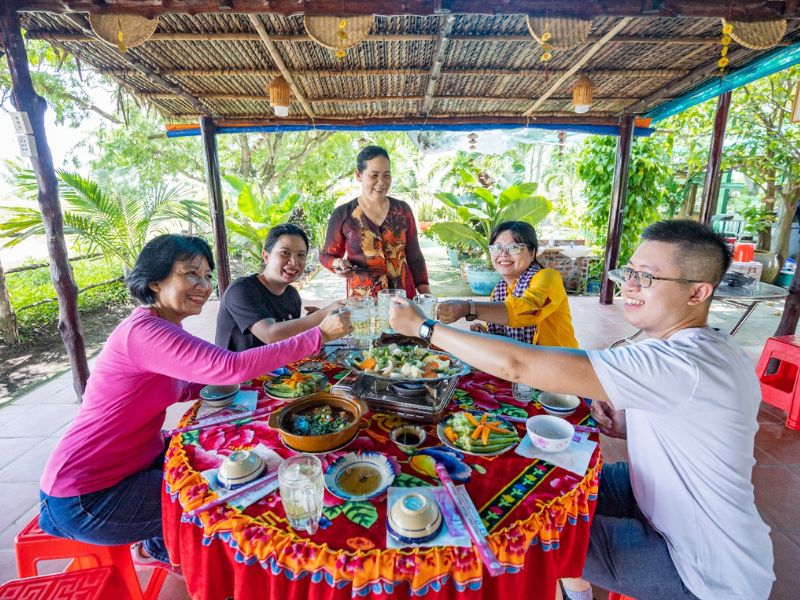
691, 403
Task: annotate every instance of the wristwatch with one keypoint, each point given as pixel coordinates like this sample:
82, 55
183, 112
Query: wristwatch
426, 329
472, 314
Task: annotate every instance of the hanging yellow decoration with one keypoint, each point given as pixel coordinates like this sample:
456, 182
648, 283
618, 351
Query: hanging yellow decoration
120, 39
723, 62
547, 49
342, 35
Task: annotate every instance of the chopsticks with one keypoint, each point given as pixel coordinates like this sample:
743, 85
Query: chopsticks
220, 419
239, 492
474, 529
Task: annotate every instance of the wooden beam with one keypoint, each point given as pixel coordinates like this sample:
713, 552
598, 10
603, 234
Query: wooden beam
155, 78
697, 75
26, 100
438, 61
255, 20
619, 192
208, 132
737, 10
339, 74
340, 100
384, 120
593, 49
714, 168
67, 36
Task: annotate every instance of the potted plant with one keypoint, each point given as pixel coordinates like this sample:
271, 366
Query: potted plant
480, 209
758, 221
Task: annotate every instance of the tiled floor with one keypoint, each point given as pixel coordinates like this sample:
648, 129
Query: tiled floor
31, 425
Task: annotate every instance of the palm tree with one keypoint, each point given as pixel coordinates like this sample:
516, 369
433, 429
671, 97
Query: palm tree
116, 222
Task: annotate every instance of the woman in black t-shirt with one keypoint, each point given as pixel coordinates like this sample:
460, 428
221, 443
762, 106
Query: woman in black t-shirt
263, 308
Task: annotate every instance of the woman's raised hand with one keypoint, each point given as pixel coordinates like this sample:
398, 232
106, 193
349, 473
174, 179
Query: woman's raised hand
452, 310
342, 266
336, 325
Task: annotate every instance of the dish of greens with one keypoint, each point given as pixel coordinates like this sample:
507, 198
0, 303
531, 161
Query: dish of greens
295, 385
477, 433
410, 362
320, 420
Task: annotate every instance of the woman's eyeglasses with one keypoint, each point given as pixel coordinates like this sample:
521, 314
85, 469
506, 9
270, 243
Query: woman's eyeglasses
512, 249
645, 280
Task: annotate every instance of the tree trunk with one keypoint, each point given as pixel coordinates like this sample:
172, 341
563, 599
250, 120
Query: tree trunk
27, 100
8, 320
783, 227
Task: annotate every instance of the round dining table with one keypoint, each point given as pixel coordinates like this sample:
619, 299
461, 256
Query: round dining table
537, 515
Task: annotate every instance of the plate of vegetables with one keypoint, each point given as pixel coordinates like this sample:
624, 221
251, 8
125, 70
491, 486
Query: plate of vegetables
295, 385
477, 433
406, 362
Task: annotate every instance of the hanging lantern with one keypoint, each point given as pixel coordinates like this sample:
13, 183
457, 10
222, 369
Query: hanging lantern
582, 95
279, 96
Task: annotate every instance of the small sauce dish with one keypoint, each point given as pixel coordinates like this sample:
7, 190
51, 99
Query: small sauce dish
408, 437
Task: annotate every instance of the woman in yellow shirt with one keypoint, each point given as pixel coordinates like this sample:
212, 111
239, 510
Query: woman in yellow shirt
530, 303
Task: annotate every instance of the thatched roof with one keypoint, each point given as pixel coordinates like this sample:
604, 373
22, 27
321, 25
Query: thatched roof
455, 68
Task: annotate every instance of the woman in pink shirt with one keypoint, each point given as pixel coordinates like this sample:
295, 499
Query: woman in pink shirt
102, 483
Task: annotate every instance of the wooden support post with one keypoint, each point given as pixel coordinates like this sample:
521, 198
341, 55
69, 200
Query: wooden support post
618, 193
27, 100
208, 131
8, 320
791, 309
711, 185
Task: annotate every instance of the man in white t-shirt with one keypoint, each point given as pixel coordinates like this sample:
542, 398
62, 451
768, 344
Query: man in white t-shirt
678, 521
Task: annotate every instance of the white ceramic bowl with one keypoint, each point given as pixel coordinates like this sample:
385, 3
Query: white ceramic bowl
560, 405
240, 467
414, 518
549, 433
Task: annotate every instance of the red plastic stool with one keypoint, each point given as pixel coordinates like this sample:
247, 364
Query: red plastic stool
32, 545
782, 388
101, 583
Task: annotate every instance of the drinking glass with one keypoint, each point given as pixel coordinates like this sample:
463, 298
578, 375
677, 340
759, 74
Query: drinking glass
384, 302
300, 482
427, 302
362, 318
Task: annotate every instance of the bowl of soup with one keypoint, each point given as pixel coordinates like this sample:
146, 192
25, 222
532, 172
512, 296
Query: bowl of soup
319, 423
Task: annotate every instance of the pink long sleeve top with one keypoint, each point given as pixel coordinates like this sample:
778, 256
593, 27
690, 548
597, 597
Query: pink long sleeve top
144, 367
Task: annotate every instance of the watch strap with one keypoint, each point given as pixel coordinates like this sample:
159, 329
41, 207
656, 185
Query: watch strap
426, 329
472, 313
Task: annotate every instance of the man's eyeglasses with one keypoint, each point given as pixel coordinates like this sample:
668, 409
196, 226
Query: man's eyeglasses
512, 249
645, 280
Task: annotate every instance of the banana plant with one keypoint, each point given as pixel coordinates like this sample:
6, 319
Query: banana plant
116, 221
254, 215
480, 210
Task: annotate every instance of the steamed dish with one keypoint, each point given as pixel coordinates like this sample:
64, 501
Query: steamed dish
406, 362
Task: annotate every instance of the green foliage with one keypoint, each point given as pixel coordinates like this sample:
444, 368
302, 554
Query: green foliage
117, 220
648, 182
56, 78
27, 287
479, 209
312, 214
757, 217
253, 215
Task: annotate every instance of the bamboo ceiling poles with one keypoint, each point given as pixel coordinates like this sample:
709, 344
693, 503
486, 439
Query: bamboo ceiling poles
26, 100
619, 192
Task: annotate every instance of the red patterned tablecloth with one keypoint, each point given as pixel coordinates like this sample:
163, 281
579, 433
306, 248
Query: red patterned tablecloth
537, 516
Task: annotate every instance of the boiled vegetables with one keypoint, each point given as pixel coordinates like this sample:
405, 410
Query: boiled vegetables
481, 434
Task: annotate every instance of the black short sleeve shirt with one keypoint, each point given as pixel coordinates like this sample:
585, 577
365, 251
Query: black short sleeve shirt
247, 302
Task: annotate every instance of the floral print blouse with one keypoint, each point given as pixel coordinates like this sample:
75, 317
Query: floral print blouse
383, 256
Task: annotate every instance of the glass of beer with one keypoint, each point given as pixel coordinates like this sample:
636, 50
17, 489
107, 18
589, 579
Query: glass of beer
384, 302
